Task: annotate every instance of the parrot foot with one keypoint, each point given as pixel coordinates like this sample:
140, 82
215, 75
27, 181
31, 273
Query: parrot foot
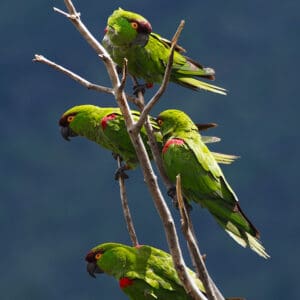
141, 88
172, 192
120, 173
116, 156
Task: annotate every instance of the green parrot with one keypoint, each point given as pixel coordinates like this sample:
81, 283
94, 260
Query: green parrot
129, 35
143, 272
202, 179
106, 127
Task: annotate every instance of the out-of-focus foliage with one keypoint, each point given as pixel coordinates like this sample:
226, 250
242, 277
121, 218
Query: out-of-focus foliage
59, 199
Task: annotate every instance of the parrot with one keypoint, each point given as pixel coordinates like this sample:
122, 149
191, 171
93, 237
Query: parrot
106, 127
202, 179
129, 35
143, 272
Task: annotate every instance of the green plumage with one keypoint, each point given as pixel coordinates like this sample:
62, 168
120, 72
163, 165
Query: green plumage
129, 35
149, 271
106, 127
202, 179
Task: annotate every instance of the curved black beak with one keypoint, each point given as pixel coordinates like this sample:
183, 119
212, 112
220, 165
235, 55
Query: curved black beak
93, 269
67, 132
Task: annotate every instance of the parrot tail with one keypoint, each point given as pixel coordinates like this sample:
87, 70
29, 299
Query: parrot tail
195, 84
237, 225
225, 159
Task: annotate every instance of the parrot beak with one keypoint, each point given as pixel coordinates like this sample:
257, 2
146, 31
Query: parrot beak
67, 132
92, 268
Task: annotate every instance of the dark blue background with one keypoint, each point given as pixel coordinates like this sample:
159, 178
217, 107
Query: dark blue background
59, 199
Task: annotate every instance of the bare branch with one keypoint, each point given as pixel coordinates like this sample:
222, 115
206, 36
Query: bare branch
70, 6
156, 154
87, 84
74, 17
126, 211
82, 81
164, 83
124, 74
196, 256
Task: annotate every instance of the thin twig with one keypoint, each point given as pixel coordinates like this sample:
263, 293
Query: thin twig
164, 83
126, 211
87, 84
82, 81
74, 17
193, 247
124, 75
156, 153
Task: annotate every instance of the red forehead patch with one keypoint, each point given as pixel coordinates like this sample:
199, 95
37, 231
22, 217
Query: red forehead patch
106, 119
125, 282
172, 142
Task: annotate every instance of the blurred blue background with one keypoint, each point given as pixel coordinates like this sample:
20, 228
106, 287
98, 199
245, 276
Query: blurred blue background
59, 199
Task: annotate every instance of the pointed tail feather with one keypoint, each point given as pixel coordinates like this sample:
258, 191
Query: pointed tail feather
210, 139
237, 225
195, 84
225, 159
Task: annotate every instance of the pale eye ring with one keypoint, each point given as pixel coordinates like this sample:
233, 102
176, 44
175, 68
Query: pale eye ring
97, 256
70, 118
134, 25
160, 122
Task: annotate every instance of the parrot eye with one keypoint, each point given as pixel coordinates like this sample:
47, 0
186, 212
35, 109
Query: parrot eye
160, 122
70, 119
134, 25
98, 255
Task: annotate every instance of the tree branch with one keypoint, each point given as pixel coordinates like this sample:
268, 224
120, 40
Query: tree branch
187, 229
126, 211
87, 84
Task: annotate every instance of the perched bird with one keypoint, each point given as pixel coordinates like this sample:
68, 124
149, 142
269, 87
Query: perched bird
143, 272
106, 127
202, 179
129, 35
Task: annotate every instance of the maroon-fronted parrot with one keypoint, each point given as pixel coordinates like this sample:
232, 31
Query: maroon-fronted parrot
143, 272
202, 179
129, 35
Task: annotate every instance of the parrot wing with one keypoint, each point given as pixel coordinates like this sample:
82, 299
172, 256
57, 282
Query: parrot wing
167, 42
156, 268
223, 204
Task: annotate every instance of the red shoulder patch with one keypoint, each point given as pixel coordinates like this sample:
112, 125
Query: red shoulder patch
125, 282
172, 142
106, 119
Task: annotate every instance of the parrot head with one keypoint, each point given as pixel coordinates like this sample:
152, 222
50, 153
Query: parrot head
127, 28
172, 121
109, 258
79, 120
